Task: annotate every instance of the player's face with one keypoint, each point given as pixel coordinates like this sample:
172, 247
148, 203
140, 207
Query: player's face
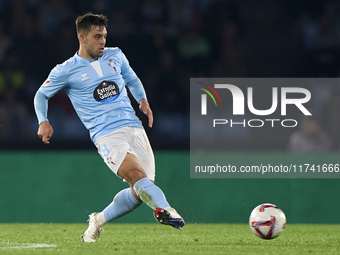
95, 41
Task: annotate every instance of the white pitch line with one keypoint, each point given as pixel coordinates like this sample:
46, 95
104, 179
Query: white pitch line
28, 245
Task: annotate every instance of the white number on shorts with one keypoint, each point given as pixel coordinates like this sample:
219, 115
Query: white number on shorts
105, 150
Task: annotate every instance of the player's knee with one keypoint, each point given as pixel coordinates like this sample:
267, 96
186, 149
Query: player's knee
134, 175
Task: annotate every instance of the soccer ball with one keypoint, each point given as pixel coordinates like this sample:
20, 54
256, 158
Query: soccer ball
267, 221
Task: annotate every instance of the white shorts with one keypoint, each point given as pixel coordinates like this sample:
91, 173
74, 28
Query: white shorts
113, 148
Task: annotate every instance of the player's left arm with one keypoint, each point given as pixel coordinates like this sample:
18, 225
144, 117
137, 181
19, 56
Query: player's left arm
136, 88
145, 108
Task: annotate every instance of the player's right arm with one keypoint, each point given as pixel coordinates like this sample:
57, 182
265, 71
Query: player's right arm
55, 82
45, 131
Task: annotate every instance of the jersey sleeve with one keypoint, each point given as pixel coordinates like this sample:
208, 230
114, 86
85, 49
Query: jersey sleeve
132, 81
136, 88
55, 82
127, 72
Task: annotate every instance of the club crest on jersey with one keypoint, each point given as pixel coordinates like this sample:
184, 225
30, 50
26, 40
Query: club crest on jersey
113, 64
106, 91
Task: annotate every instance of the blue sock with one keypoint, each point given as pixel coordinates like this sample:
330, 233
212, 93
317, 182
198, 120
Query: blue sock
123, 203
150, 194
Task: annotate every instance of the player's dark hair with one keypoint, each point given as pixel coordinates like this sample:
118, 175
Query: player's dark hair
85, 23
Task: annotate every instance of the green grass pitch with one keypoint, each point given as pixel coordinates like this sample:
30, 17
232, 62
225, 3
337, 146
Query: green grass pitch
158, 239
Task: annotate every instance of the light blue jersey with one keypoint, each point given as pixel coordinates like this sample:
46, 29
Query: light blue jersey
97, 91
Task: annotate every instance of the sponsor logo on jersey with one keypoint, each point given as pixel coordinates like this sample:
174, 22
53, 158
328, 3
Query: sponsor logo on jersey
106, 92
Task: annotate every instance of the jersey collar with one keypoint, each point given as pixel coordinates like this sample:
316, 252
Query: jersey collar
83, 60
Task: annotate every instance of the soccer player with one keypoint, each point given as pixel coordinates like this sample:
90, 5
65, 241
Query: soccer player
94, 80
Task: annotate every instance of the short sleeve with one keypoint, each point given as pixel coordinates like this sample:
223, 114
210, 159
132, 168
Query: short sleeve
56, 80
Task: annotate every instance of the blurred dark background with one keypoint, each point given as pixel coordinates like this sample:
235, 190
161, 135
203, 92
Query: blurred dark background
167, 42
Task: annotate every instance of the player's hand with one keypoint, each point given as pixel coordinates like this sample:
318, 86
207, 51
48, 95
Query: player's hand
45, 132
145, 108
